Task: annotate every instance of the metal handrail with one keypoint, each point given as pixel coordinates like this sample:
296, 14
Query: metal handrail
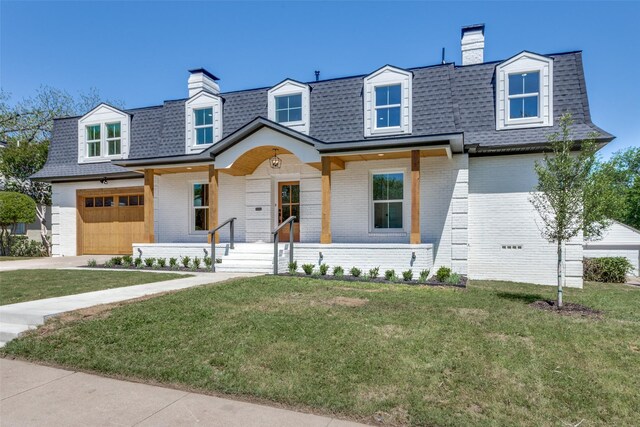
276, 239
213, 240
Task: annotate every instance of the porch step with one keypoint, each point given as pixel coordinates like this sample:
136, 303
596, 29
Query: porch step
251, 258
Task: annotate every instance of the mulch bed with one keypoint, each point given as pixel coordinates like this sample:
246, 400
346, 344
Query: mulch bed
567, 309
145, 268
348, 278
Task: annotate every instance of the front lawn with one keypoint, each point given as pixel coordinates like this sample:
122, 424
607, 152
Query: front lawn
392, 354
27, 285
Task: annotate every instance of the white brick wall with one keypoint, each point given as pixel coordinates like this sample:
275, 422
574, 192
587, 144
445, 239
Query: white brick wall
63, 211
500, 214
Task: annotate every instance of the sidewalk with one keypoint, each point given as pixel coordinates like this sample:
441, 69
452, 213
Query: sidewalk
17, 318
35, 395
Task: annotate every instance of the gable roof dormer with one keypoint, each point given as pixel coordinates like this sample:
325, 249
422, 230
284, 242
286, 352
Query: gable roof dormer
103, 134
289, 104
387, 94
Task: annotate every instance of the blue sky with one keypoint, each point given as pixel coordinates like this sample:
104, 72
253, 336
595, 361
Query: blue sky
139, 52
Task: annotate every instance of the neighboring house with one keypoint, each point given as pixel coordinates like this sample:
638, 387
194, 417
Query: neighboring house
400, 168
619, 240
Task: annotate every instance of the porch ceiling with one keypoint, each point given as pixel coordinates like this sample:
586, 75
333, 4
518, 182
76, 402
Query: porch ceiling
248, 162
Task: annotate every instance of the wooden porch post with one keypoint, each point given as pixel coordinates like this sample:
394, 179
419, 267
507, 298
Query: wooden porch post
213, 201
415, 197
325, 234
148, 206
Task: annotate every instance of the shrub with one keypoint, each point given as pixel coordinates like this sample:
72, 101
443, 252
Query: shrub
218, 260
323, 269
173, 262
338, 271
137, 262
92, 263
293, 267
24, 246
407, 276
453, 279
424, 275
355, 271
109, 263
116, 260
374, 272
207, 262
149, 262
185, 261
196, 262
390, 275
127, 259
443, 274
126, 264
606, 269
162, 262
307, 268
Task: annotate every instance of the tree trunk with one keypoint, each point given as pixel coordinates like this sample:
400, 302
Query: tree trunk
41, 213
560, 272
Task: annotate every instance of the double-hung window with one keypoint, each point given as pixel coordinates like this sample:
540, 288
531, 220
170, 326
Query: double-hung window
113, 138
524, 95
203, 125
200, 207
289, 108
93, 141
388, 198
388, 105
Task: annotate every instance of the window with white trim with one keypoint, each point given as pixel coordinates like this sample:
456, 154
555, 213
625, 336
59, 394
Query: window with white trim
524, 95
93, 140
388, 106
289, 108
203, 125
113, 138
388, 200
200, 207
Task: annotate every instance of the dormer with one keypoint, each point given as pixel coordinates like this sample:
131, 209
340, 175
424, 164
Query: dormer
387, 102
524, 92
203, 111
103, 135
289, 105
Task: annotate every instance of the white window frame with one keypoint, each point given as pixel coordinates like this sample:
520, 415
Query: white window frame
388, 76
200, 101
290, 122
287, 88
522, 120
388, 231
93, 141
114, 139
196, 127
193, 208
101, 116
393, 129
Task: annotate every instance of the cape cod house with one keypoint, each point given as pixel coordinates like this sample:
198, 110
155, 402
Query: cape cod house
399, 168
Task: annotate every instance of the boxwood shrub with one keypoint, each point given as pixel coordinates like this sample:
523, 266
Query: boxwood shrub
606, 269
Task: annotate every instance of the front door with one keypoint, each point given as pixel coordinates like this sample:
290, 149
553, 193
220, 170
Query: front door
289, 204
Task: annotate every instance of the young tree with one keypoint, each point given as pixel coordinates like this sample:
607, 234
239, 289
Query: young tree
26, 127
15, 208
569, 197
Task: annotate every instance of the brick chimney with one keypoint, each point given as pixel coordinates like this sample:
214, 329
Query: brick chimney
200, 79
472, 44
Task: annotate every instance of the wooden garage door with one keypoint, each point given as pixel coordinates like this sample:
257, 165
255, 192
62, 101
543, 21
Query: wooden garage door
109, 221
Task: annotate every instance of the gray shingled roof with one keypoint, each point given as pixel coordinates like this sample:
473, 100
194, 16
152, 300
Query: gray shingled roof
446, 99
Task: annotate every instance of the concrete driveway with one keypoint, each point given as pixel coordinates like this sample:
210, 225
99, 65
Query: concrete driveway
52, 262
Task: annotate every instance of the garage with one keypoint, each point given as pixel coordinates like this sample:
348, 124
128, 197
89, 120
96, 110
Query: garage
109, 220
619, 240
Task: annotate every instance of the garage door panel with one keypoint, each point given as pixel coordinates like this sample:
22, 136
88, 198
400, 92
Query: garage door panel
110, 221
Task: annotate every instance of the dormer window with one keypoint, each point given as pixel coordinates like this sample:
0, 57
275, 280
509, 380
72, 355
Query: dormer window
103, 135
387, 102
288, 104
203, 125
388, 106
524, 91
289, 108
93, 141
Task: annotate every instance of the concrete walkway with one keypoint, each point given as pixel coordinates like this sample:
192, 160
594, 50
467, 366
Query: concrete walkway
17, 318
51, 262
35, 395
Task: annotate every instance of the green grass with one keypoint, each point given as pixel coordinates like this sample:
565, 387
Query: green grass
408, 355
28, 285
15, 258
